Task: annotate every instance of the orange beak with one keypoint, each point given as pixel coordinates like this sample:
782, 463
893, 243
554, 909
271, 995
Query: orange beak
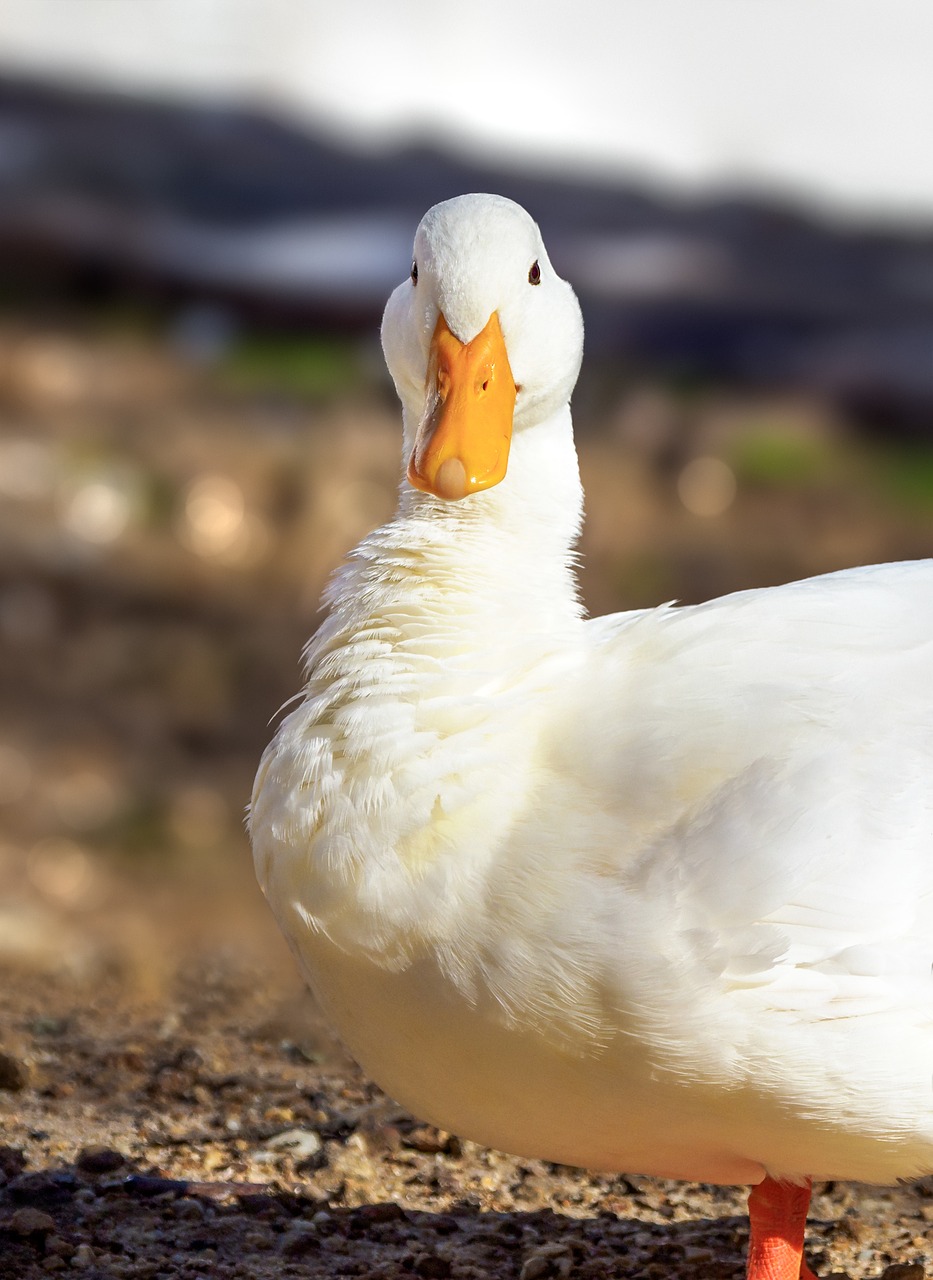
463, 440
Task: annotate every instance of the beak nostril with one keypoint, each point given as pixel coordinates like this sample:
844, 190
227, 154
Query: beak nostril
486, 385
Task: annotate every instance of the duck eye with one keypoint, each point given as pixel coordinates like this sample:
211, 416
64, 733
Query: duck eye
414, 271
534, 275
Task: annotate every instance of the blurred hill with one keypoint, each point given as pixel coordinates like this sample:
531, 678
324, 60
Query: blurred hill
104, 197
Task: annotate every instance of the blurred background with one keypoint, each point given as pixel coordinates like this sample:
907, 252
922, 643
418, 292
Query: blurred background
203, 206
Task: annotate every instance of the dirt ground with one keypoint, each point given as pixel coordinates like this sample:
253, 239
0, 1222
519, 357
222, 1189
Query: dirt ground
182, 1111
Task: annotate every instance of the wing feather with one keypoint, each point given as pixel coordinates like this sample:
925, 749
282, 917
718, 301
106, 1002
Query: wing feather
768, 760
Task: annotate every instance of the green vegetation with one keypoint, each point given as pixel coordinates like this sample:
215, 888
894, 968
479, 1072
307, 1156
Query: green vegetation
778, 459
894, 475
906, 475
305, 366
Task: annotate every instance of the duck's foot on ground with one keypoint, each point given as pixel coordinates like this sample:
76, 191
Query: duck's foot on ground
777, 1214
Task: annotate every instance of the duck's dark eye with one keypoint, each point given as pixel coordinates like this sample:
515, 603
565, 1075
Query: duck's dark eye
414, 271
534, 275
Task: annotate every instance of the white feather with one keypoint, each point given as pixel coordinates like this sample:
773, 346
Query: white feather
652, 892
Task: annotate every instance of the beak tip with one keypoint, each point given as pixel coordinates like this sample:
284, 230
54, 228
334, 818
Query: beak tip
451, 480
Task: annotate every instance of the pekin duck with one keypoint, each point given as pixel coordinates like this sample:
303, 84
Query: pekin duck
650, 892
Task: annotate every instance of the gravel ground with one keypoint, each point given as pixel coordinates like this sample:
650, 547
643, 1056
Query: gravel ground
211, 1127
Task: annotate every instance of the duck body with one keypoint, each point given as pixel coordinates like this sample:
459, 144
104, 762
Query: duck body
648, 893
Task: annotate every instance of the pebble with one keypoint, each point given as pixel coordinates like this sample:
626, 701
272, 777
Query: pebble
189, 1210
433, 1141
299, 1242
14, 1074
548, 1260
45, 1186
384, 1211
697, 1253
445, 1224
300, 1143
533, 1267
83, 1256
98, 1159
433, 1267
28, 1221
12, 1163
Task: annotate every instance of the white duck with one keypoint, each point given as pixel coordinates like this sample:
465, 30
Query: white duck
651, 892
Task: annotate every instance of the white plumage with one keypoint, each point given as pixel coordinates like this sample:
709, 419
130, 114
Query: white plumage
651, 892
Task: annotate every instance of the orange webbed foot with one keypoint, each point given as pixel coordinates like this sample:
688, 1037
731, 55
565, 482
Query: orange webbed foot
777, 1213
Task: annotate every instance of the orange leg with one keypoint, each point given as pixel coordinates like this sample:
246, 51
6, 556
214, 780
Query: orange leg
777, 1213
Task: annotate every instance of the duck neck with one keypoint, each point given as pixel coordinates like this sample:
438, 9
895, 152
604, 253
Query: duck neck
503, 555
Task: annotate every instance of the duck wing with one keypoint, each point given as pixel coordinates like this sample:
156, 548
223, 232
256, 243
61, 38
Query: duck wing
767, 760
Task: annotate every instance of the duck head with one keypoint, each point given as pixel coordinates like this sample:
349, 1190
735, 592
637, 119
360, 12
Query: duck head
484, 339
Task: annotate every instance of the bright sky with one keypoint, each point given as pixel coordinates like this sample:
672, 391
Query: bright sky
831, 100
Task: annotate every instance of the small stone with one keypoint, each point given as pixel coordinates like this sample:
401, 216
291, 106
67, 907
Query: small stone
852, 1226
278, 1115
696, 1254
433, 1141
300, 1143
189, 1210
299, 1242
13, 1162
433, 1267
99, 1159
380, 1140
259, 1202
215, 1159
533, 1267
43, 1187
147, 1187
445, 1224
29, 1221
547, 1260
60, 1247
84, 1256
14, 1075
385, 1211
